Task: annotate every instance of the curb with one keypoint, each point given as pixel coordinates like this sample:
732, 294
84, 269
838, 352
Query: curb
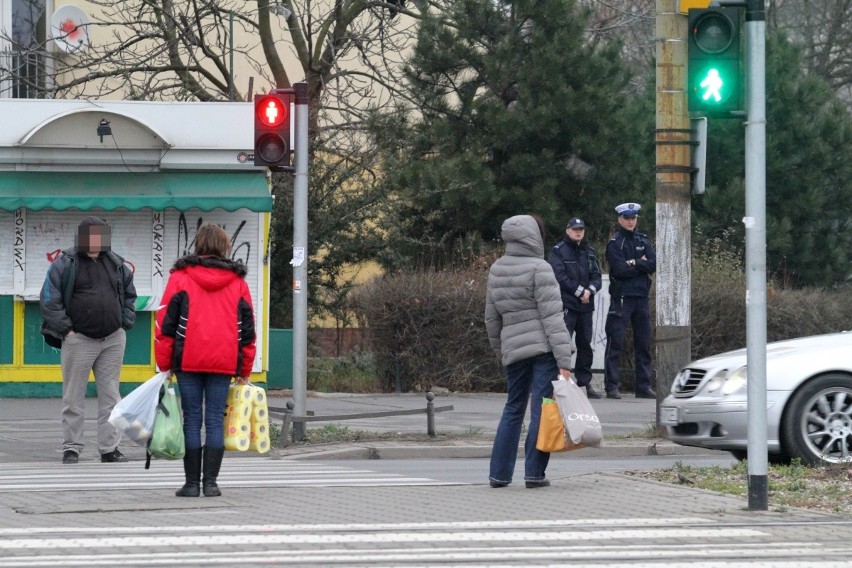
475, 451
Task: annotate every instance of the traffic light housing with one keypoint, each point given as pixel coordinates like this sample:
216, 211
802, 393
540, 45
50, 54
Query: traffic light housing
714, 77
272, 130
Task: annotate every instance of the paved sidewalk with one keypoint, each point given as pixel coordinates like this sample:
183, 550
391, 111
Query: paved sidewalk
116, 513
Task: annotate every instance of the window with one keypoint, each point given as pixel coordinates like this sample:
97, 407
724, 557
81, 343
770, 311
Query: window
22, 48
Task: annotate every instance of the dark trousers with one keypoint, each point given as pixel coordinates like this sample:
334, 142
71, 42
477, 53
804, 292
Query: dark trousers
580, 325
624, 312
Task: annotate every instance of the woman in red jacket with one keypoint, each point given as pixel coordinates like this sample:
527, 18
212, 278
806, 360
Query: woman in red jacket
205, 335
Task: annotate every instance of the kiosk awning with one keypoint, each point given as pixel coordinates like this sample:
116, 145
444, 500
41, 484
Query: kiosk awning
134, 191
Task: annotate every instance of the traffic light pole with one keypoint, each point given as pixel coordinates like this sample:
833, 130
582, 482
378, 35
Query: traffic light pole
709, 81
300, 261
755, 226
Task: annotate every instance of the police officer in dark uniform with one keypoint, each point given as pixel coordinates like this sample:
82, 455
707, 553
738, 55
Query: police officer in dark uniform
579, 275
631, 259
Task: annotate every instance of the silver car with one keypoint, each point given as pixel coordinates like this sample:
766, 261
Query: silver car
808, 401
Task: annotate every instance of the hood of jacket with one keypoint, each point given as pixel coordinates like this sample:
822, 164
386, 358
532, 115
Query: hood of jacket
211, 272
522, 236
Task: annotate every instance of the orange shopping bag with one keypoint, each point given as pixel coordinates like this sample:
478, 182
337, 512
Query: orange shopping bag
551, 430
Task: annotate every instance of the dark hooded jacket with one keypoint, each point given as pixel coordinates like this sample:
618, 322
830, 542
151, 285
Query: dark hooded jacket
205, 323
91, 297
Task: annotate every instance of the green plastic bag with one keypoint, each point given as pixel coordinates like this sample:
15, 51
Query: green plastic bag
167, 439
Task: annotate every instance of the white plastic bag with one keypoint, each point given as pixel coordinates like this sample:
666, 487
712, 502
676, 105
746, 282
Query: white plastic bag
581, 421
134, 414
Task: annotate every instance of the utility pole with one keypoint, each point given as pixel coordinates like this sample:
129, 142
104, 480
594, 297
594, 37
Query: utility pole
673, 237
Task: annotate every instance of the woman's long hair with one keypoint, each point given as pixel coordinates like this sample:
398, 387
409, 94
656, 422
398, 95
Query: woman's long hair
212, 240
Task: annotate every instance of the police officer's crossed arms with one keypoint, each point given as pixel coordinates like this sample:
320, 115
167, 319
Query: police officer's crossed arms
631, 259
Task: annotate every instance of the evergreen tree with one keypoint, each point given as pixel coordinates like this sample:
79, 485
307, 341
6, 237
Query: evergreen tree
808, 175
512, 110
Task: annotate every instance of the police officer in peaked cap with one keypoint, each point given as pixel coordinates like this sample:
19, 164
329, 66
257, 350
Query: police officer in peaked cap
578, 272
631, 259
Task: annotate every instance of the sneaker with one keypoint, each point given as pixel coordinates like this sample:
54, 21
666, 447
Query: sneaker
592, 393
113, 456
647, 393
613, 394
497, 484
537, 484
70, 456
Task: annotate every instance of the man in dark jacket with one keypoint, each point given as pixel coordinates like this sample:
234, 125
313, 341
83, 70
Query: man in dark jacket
87, 302
579, 275
631, 259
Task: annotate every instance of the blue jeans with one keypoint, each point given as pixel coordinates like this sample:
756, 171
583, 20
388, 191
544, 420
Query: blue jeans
530, 376
203, 397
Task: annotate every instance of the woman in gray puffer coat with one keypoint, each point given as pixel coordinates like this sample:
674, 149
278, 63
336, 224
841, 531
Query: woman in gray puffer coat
523, 316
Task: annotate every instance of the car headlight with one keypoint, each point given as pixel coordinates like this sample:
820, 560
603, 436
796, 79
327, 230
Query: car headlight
715, 382
735, 381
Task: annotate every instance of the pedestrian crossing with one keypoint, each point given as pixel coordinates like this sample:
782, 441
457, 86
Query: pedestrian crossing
637, 543
249, 472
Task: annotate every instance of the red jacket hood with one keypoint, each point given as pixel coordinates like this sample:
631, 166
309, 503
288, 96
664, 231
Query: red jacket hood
210, 278
211, 272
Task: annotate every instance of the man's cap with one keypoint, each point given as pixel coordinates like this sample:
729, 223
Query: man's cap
575, 223
628, 209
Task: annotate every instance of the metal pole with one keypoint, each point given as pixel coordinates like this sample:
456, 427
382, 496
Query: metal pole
430, 414
49, 61
231, 45
300, 269
673, 199
755, 225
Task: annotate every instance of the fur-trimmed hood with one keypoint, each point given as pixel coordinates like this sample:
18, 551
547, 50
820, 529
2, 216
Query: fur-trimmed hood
237, 268
211, 272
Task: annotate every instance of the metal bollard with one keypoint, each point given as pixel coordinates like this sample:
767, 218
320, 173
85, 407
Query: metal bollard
430, 414
286, 423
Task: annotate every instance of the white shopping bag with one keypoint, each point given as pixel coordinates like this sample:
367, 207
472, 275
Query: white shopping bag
134, 414
580, 419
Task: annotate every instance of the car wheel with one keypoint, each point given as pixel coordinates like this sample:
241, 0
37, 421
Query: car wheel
818, 421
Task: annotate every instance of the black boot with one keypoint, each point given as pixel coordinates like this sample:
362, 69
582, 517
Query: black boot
192, 471
212, 463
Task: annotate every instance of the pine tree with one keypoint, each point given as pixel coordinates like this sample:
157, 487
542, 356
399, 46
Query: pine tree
513, 110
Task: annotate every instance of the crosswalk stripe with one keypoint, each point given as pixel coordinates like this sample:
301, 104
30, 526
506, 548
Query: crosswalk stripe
520, 557
637, 543
331, 527
419, 549
397, 537
244, 472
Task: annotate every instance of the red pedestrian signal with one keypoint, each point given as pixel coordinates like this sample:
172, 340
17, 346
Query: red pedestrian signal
272, 130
